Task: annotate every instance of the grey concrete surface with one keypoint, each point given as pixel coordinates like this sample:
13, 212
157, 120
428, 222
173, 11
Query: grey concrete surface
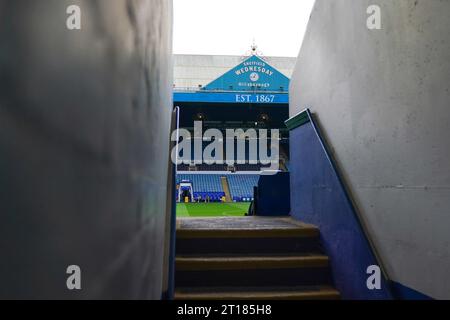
84, 139
382, 98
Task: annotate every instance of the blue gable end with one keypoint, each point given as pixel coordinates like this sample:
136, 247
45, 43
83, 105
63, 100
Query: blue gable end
254, 74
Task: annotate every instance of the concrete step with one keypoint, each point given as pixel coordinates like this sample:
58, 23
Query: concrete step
261, 293
250, 235
250, 258
189, 263
243, 227
254, 271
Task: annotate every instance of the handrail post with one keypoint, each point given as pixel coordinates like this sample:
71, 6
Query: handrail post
171, 207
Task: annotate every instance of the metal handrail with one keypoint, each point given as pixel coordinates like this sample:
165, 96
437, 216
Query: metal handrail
171, 208
352, 204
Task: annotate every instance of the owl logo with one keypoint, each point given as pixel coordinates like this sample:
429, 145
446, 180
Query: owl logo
254, 77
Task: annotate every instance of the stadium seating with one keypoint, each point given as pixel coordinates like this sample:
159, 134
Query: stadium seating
241, 186
204, 185
239, 167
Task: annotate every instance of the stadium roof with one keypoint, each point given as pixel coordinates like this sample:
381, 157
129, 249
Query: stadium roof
253, 74
194, 71
252, 80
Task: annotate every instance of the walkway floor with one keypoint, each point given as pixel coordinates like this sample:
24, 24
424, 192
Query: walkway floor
238, 226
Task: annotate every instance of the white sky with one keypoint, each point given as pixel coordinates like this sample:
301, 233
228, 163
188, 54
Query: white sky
228, 27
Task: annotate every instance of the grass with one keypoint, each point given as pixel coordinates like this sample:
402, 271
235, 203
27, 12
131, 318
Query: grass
212, 209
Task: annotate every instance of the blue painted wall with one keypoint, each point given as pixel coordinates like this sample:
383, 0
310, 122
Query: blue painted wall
403, 292
317, 197
273, 195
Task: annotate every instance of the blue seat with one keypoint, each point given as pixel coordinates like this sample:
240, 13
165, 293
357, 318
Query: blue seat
204, 185
241, 186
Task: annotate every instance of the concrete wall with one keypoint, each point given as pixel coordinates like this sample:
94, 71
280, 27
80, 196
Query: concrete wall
193, 70
84, 144
382, 99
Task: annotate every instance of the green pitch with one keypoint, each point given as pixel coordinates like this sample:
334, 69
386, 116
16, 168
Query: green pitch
211, 209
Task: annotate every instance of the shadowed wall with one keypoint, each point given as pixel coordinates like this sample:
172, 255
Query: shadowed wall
84, 132
381, 98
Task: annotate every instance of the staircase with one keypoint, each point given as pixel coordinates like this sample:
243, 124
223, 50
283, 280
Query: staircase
226, 189
249, 258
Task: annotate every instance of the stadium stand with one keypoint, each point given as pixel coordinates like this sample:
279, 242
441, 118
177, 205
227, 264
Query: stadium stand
204, 185
248, 167
241, 109
220, 167
212, 167
241, 186
183, 167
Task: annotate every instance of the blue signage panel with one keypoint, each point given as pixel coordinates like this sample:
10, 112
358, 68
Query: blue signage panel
254, 74
231, 97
